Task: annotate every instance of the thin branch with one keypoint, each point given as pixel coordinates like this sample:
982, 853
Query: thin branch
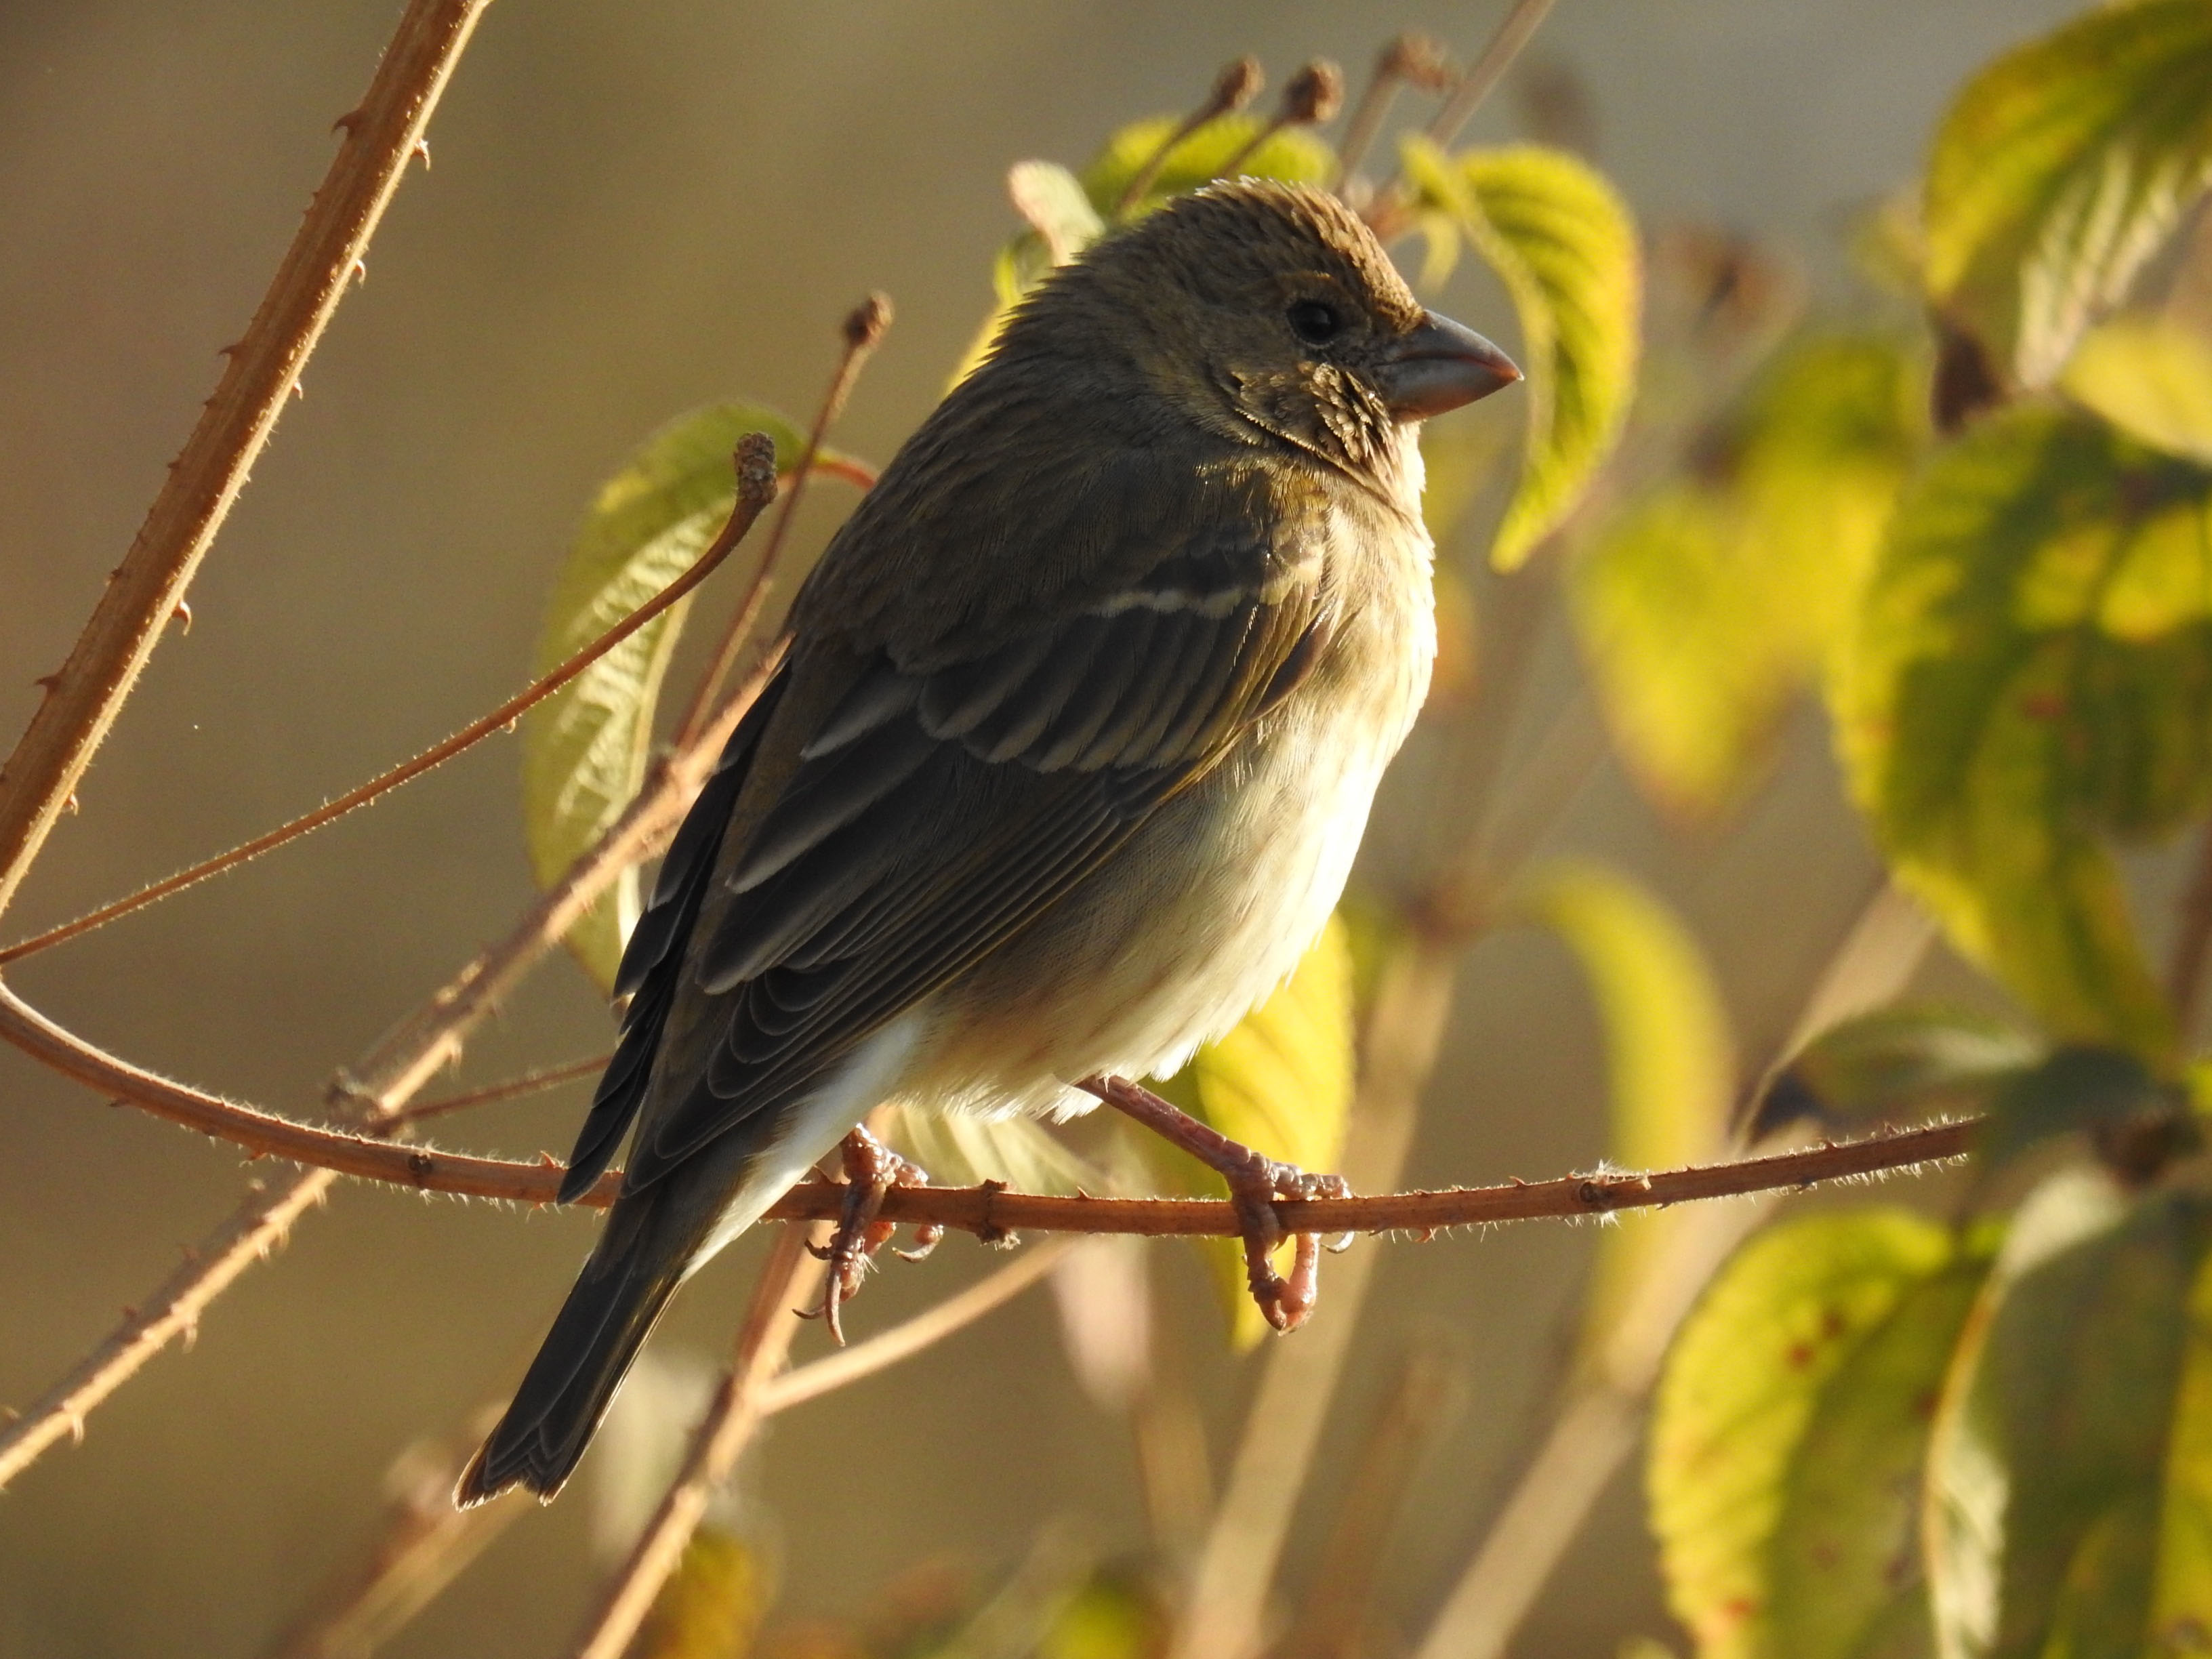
85, 693
786, 1282
756, 462
1409, 57
988, 1211
863, 329
1483, 74
902, 1341
536, 1081
172, 1311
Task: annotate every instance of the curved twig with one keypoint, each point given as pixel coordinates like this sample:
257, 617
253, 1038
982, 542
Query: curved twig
988, 1211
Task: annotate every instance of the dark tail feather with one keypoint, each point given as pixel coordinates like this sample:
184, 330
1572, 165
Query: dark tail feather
613, 1310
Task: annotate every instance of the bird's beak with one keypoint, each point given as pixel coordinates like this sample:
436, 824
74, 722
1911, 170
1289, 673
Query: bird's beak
1439, 366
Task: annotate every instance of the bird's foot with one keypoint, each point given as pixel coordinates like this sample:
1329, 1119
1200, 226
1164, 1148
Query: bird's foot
1255, 1181
872, 1169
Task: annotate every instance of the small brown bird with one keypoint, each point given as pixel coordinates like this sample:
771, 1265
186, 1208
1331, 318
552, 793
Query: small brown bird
1082, 712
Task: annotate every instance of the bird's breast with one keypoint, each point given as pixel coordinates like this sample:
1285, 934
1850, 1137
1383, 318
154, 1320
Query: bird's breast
1211, 904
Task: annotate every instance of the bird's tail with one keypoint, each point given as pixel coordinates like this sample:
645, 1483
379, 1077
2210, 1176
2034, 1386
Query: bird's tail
616, 1302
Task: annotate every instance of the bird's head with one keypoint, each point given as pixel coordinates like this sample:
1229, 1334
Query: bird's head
1271, 308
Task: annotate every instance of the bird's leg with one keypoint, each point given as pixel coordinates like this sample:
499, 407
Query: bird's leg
1255, 1181
872, 1169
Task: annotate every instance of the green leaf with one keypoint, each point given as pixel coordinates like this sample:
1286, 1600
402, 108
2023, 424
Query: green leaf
1564, 244
711, 1606
1668, 1058
1895, 1064
2076, 1088
584, 749
1710, 602
2061, 169
2150, 377
2059, 1469
1294, 154
1281, 1083
1788, 1431
2031, 672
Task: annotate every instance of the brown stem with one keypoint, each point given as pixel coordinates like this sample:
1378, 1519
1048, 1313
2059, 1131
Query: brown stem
988, 1211
174, 1311
1341, 1590
756, 465
535, 1081
762, 1346
1413, 58
84, 694
902, 1341
863, 327
1388, 212
1513, 32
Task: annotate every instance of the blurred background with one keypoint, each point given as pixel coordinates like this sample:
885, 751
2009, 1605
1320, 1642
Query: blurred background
634, 210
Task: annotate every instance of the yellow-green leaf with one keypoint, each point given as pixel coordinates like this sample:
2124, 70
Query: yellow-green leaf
2150, 377
2061, 169
1789, 1433
1706, 605
1668, 1057
1294, 154
1564, 243
710, 1607
2032, 671
2060, 1467
1281, 1083
584, 749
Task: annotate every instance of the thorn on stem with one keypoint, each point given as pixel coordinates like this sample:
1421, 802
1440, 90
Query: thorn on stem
422, 152
182, 613
349, 124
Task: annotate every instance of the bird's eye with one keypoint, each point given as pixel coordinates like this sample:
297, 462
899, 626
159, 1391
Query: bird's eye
1315, 321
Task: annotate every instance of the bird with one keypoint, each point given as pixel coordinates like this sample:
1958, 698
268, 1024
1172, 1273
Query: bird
1081, 716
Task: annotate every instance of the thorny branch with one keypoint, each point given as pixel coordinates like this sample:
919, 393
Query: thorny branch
85, 693
763, 1344
988, 1211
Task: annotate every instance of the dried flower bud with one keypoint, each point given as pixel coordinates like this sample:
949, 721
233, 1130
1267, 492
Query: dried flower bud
1315, 95
756, 462
1239, 83
1417, 59
866, 324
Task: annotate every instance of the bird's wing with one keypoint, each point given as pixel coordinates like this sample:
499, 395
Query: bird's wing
935, 809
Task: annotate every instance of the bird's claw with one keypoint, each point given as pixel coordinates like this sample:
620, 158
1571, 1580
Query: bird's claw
1285, 1301
872, 1169
1255, 1182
